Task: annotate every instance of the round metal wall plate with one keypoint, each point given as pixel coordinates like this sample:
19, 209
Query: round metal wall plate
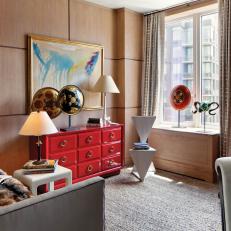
46, 99
71, 99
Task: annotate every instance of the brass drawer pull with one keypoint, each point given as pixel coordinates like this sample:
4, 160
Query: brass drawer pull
111, 149
89, 168
111, 162
63, 159
63, 143
89, 139
89, 154
112, 135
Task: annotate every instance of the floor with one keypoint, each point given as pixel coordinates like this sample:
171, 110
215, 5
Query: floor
163, 202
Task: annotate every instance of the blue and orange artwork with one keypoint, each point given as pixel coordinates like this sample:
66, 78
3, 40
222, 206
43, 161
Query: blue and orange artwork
91, 63
57, 66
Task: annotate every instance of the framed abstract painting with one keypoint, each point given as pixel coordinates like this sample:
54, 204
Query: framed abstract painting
57, 62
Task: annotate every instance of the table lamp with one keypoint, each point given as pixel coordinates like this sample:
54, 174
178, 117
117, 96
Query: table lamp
105, 84
37, 124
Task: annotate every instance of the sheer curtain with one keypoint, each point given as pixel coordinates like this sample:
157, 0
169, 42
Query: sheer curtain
225, 76
153, 61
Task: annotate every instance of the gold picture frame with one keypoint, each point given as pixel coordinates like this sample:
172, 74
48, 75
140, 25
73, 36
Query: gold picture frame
55, 62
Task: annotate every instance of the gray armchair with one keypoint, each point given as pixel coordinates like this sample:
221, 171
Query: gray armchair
79, 207
223, 169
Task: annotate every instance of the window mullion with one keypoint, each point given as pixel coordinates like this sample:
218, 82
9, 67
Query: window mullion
197, 69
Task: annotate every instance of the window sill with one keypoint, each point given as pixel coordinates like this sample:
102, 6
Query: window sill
189, 130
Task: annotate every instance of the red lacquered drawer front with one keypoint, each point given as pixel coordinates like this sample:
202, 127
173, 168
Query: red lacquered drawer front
111, 162
90, 153
74, 174
111, 149
62, 143
88, 168
111, 135
89, 139
65, 159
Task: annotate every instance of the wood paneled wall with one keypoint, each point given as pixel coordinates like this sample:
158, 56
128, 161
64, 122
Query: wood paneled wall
119, 31
129, 53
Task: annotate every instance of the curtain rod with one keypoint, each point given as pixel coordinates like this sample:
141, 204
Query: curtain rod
172, 7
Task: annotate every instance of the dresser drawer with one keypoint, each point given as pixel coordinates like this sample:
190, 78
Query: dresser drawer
65, 159
88, 168
111, 149
111, 135
111, 162
89, 139
62, 143
89, 153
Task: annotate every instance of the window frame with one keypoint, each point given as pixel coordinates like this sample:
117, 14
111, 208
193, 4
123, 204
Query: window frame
196, 16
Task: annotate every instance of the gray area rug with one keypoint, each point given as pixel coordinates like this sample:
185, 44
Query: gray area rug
163, 202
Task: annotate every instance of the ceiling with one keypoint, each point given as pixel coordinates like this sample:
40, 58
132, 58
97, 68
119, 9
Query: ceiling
141, 6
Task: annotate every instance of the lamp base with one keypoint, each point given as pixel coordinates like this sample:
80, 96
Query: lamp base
106, 120
39, 162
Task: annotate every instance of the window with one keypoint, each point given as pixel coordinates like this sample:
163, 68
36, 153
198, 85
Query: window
191, 58
209, 62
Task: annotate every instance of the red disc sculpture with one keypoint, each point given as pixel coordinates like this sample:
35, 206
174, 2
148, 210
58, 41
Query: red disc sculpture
180, 98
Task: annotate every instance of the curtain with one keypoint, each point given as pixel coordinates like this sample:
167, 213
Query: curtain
154, 27
225, 76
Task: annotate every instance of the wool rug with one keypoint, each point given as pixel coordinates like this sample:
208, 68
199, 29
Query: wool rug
163, 202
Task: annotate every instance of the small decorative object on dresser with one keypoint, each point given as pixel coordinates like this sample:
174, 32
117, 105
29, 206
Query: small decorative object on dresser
87, 151
180, 98
38, 124
95, 122
105, 84
71, 101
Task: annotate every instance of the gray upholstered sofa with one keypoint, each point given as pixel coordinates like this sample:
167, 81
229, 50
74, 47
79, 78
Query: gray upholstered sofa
223, 169
78, 207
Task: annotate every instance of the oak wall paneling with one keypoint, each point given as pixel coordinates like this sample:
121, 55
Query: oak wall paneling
121, 83
93, 24
133, 35
120, 35
133, 73
129, 34
20, 17
12, 81
129, 53
13, 148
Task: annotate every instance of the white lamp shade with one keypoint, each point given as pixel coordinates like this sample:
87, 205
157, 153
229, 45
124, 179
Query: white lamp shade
37, 124
106, 84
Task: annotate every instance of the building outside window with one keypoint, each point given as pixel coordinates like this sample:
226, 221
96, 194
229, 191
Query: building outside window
191, 58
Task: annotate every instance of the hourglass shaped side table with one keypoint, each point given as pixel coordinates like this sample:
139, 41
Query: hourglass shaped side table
142, 159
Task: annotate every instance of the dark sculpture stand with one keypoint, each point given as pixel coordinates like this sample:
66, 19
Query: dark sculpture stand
69, 128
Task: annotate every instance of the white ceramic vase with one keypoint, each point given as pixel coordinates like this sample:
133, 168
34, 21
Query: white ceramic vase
143, 126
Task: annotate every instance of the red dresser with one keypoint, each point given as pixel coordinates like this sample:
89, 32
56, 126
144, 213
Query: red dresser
86, 151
